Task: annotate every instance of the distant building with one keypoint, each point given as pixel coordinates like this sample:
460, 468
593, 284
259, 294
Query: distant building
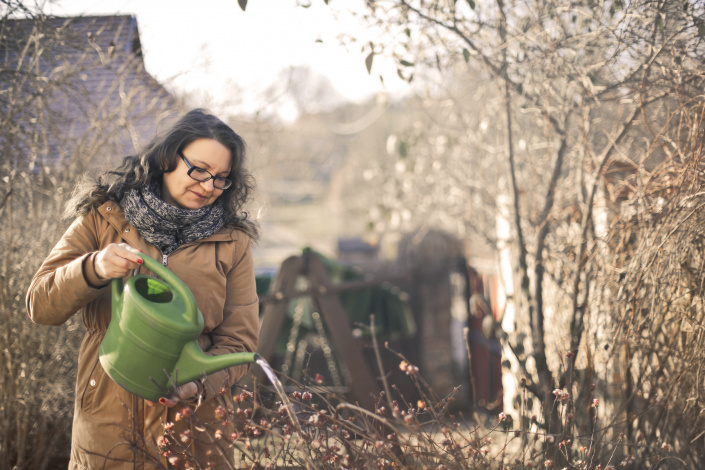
74, 91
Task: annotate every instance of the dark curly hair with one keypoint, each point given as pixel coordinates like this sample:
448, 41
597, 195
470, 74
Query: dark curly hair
161, 156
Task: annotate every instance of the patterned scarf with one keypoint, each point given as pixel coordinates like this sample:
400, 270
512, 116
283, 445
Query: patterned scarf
165, 226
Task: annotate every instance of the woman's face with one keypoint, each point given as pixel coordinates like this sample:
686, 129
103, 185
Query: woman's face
180, 190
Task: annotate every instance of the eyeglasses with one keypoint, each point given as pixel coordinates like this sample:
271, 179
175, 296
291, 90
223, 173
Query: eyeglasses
199, 174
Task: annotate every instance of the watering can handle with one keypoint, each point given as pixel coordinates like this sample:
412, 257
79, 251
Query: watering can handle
169, 278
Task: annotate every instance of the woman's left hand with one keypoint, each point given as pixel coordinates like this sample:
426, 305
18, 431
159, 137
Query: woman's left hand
183, 392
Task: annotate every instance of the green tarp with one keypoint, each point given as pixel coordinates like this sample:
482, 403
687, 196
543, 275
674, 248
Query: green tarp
392, 315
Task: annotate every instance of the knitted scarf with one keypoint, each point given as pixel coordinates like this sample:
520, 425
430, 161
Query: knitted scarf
165, 226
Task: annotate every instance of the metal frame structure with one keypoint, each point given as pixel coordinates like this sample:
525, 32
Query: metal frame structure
364, 386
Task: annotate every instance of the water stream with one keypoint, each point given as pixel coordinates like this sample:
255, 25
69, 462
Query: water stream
276, 383
280, 391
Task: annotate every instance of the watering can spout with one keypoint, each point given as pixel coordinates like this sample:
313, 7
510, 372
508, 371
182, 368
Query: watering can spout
194, 363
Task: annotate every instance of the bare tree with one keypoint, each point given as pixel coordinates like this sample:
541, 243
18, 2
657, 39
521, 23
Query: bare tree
557, 113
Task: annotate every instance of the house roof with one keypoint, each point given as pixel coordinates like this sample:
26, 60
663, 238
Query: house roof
89, 74
104, 34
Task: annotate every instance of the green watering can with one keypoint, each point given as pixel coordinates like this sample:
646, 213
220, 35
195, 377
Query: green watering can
151, 345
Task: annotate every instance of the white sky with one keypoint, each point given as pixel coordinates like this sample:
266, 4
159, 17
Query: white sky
207, 44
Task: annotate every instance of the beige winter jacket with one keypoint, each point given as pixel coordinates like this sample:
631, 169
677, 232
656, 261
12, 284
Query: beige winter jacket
112, 428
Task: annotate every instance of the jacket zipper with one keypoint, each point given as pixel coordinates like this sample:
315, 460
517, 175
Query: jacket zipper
165, 258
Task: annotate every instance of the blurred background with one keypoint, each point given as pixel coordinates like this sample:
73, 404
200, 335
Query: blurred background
507, 192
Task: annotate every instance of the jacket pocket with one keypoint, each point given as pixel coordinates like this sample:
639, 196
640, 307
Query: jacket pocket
94, 383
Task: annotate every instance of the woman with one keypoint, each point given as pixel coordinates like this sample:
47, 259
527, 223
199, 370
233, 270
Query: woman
179, 201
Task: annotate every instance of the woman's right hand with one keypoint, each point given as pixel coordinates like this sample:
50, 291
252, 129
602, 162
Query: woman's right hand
116, 260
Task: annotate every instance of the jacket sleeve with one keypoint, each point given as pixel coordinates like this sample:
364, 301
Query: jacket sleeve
239, 330
62, 284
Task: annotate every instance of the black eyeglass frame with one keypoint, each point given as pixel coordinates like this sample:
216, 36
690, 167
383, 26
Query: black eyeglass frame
192, 168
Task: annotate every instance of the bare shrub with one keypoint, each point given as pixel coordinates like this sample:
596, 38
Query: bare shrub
330, 432
69, 103
655, 280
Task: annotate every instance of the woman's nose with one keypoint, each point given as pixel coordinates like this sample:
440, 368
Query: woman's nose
208, 185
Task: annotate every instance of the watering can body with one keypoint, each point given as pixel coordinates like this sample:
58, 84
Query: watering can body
151, 345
